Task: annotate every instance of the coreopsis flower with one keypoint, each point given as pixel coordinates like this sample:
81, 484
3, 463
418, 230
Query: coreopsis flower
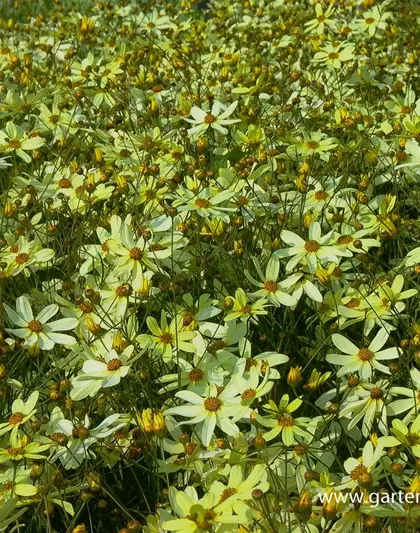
232, 498
38, 331
21, 448
372, 405
209, 410
269, 287
411, 402
388, 299
281, 420
101, 373
197, 514
374, 21
382, 306
27, 255
348, 388
16, 482
21, 413
244, 310
362, 360
325, 194
313, 143
313, 252
334, 56
196, 314
264, 362
355, 241
204, 370
167, 339
322, 21
15, 139
54, 119
216, 119
364, 471
117, 296
153, 23
205, 203
72, 440
408, 436
134, 255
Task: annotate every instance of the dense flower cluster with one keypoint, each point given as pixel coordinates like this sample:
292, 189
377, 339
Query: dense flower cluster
209, 265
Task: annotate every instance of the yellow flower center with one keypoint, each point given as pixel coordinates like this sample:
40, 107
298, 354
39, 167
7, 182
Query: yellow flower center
301, 449
271, 286
353, 381
202, 203
248, 394
286, 421
190, 448
312, 246
376, 393
14, 143
413, 438
136, 254
321, 195
14, 452
166, 338
113, 365
227, 493
250, 362
196, 375
22, 258
16, 419
354, 303
358, 472
365, 354
209, 119
212, 404
35, 326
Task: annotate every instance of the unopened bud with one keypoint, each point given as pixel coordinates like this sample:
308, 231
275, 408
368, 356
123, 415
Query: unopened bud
295, 376
303, 507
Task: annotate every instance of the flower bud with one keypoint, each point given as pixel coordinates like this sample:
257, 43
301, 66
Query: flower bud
152, 422
397, 468
393, 452
94, 482
3, 371
295, 376
303, 507
415, 484
81, 528
372, 522
365, 480
133, 526
330, 505
310, 475
92, 326
260, 443
257, 494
